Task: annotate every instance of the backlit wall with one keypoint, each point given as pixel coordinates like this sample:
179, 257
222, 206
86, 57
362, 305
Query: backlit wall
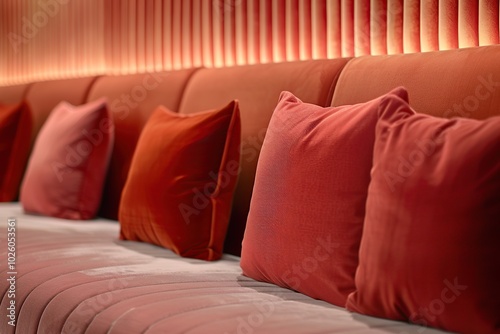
43, 39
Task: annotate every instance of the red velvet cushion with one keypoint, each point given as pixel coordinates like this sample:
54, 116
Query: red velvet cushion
430, 252
307, 210
180, 185
69, 161
15, 137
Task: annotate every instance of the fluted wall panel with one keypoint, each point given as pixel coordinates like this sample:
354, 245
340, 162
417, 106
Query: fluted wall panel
48, 39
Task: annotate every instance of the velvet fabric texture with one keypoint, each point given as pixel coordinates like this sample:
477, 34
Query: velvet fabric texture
430, 252
179, 190
15, 134
67, 167
306, 216
133, 98
257, 95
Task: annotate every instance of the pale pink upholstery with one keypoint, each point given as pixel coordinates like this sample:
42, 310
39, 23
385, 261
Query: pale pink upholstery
75, 277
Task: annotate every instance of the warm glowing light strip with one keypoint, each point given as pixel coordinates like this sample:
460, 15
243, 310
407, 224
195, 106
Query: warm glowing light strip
70, 38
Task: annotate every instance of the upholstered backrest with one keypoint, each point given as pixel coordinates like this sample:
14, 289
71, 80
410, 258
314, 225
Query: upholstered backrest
40, 98
463, 83
43, 96
257, 88
12, 94
132, 98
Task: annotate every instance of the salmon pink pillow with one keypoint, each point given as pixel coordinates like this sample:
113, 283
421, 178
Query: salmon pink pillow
68, 165
430, 251
179, 190
308, 205
15, 142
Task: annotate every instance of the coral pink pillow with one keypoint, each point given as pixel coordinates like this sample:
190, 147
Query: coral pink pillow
69, 162
430, 252
15, 142
308, 205
181, 180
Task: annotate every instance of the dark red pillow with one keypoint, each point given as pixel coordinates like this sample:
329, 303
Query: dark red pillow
308, 205
180, 185
430, 252
15, 142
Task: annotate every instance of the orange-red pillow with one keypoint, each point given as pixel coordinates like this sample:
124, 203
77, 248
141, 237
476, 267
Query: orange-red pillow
430, 251
181, 180
15, 142
68, 165
308, 205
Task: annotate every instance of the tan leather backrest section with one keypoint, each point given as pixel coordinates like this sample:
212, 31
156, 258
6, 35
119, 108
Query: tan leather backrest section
257, 88
463, 83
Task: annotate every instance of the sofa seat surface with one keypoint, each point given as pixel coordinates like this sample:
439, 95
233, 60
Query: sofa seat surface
77, 277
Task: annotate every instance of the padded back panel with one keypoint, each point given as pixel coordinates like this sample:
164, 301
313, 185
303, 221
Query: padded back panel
12, 94
257, 88
132, 98
462, 83
44, 96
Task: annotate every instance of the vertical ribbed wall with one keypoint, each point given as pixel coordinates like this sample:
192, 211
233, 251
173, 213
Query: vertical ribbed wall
50, 39
65, 38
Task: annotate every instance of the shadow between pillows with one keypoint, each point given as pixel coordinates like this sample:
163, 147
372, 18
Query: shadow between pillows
180, 185
69, 161
15, 145
308, 204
